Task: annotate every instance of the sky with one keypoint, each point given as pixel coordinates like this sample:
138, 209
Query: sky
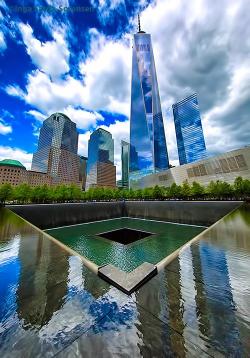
75, 57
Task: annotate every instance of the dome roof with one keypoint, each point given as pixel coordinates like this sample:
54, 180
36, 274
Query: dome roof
12, 163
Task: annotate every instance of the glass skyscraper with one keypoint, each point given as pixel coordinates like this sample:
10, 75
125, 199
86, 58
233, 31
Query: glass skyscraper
189, 133
57, 149
100, 166
148, 150
125, 163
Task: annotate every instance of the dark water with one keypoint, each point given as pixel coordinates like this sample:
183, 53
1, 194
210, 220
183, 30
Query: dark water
199, 306
166, 239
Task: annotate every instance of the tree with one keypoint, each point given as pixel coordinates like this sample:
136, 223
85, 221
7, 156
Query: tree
174, 191
6, 192
157, 192
197, 190
241, 187
185, 190
147, 193
22, 193
219, 189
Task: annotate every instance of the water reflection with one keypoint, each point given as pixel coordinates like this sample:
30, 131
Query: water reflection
207, 290
199, 305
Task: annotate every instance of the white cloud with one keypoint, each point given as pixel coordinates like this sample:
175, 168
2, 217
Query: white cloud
83, 143
4, 128
204, 54
106, 8
40, 117
17, 154
48, 96
3, 45
198, 47
52, 57
16, 91
83, 119
106, 83
107, 74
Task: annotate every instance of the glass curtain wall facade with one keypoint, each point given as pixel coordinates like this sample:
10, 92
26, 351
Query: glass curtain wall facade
125, 163
148, 150
100, 165
189, 133
57, 148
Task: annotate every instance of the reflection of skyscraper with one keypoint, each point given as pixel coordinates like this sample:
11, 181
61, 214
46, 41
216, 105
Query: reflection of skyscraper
125, 163
42, 284
57, 149
100, 168
189, 133
82, 171
146, 123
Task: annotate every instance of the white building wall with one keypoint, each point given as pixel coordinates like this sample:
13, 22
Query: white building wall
226, 167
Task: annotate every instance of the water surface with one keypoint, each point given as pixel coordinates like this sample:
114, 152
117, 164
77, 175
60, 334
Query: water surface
85, 240
198, 306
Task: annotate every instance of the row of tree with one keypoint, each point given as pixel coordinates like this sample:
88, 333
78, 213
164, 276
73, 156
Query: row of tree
23, 193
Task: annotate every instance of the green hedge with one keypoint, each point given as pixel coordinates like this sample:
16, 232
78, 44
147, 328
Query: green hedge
44, 194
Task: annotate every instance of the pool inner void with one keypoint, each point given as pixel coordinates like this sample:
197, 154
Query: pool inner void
125, 236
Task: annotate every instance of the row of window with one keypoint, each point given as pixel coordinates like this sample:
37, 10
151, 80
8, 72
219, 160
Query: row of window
217, 166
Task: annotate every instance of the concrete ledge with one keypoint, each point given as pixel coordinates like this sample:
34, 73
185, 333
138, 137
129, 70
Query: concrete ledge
127, 282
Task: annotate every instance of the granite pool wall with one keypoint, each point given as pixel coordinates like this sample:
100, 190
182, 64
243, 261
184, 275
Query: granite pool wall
47, 216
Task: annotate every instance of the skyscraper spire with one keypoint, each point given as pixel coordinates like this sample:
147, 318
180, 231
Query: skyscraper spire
139, 23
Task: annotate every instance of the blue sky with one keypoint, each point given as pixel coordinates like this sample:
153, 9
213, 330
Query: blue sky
55, 56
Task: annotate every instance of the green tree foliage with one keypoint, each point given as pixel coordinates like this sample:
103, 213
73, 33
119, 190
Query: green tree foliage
174, 191
186, 190
64, 193
241, 187
197, 190
22, 193
158, 192
6, 192
219, 189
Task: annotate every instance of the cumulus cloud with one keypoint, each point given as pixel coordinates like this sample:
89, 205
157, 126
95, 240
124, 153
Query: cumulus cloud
106, 7
107, 73
105, 84
15, 90
52, 57
4, 128
203, 47
83, 119
199, 46
3, 45
15, 153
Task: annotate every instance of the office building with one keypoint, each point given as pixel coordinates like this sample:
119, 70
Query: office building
57, 150
148, 152
13, 172
226, 167
101, 171
188, 128
125, 164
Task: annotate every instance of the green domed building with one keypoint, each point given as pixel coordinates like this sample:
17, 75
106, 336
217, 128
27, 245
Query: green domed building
12, 163
12, 172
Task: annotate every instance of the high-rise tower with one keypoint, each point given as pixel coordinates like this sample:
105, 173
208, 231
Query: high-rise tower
148, 150
100, 166
125, 163
188, 128
57, 150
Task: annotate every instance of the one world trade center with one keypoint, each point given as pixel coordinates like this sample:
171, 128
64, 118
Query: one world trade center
148, 150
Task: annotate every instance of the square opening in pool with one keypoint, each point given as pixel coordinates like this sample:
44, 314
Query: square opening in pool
125, 236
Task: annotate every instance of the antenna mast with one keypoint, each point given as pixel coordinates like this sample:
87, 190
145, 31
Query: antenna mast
139, 23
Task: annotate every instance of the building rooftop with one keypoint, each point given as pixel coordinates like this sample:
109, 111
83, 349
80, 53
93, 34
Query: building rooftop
12, 163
